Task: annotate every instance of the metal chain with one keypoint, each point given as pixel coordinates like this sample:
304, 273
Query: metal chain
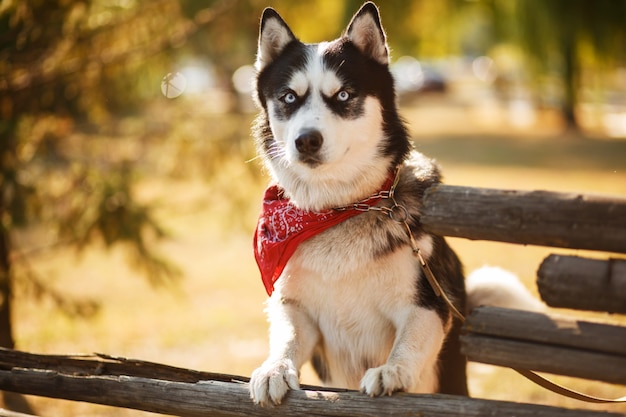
364, 206
399, 214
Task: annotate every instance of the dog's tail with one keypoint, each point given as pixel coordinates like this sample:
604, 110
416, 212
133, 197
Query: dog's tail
493, 286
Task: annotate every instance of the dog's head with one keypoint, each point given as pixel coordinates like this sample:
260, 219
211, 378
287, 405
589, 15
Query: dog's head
328, 109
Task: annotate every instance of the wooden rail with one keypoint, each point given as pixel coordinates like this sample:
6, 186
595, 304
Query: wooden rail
542, 342
562, 280
544, 218
123, 383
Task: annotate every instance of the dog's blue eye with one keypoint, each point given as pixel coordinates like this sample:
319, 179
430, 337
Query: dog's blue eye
343, 95
289, 98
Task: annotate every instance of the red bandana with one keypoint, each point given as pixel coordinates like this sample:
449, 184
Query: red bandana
283, 226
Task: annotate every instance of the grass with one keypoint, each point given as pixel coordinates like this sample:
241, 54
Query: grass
213, 318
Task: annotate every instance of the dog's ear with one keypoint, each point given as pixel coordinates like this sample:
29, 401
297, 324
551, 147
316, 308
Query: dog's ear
366, 32
274, 35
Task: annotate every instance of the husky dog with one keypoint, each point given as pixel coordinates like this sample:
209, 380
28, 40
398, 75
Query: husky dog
349, 295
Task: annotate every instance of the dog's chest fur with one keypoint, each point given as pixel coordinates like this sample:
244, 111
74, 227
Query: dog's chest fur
355, 281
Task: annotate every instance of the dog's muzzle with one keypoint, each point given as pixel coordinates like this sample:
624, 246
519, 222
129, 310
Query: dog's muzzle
309, 143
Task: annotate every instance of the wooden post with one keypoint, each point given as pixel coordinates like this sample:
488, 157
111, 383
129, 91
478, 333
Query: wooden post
528, 217
540, 342
583, 284
221, 398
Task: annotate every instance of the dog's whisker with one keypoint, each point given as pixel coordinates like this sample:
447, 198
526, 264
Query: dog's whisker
254, 158
278, 154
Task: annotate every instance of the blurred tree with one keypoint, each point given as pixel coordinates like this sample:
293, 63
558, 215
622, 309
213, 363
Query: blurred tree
559, 34
230, 40
67, 68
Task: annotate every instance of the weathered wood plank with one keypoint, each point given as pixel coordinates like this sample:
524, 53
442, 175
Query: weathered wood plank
224, 399
8, 413
548, 329
545, 358
101, 364
528, 217
584, 284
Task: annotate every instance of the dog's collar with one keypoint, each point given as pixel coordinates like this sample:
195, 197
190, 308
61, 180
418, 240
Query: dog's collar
282, 226
395, 212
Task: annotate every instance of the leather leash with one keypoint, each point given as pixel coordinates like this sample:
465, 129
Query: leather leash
532, 376
434, 283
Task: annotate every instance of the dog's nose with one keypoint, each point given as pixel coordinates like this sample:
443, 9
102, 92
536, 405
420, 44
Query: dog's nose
309, 142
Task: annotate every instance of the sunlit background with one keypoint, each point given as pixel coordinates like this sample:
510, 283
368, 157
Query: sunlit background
130, 186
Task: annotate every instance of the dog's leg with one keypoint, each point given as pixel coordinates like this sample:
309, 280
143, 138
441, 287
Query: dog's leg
412, 363
292, 339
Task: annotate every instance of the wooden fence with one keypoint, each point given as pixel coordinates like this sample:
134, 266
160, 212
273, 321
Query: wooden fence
522, 340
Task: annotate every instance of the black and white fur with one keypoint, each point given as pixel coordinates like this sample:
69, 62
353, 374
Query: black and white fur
353, 300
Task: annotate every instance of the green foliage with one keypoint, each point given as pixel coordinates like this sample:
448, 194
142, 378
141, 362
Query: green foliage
99, 208
87, 58
568, 37
546, 26
68, 70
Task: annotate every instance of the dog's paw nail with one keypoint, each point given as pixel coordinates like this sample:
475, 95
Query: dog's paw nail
269, 383
385, 380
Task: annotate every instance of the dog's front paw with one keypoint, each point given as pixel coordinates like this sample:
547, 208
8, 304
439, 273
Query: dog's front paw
386, 379
272, 380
